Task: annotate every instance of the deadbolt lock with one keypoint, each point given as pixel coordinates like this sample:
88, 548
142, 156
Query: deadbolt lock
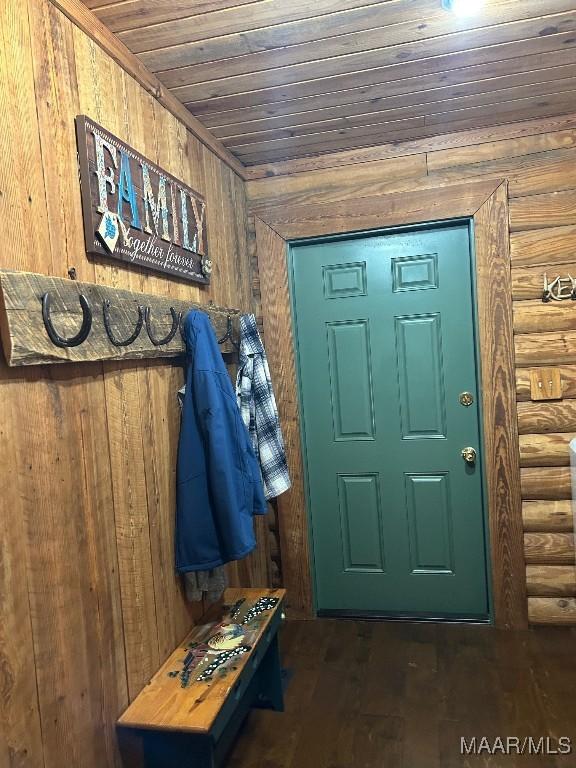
469, 455
466, 398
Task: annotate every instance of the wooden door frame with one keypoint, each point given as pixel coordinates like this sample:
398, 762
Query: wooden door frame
486, 203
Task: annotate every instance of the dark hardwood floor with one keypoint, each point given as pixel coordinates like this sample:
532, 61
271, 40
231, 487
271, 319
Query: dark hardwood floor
389, 695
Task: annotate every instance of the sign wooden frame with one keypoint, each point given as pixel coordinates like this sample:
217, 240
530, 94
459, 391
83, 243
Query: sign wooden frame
136, 212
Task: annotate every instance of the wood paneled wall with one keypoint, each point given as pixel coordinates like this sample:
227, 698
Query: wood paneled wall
89, 602
538, 158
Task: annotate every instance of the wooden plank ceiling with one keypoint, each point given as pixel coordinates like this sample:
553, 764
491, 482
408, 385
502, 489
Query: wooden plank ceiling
279, 79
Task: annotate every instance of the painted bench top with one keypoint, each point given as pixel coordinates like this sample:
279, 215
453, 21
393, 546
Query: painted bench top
165, 705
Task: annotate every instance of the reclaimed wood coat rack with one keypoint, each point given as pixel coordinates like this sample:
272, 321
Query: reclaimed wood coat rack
54, 320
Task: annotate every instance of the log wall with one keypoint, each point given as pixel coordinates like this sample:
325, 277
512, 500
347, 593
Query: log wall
89, 602
538, 159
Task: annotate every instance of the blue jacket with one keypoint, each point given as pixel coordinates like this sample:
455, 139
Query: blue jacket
219, 486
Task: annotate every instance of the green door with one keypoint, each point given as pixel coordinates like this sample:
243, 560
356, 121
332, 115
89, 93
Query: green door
386, 345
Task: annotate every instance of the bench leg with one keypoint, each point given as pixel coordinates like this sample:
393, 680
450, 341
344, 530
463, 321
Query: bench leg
178, 750
271, 694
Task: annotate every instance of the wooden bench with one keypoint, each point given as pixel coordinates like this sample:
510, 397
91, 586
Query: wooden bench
189, 723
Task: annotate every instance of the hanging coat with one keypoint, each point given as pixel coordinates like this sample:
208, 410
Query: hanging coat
258, 409
219, 487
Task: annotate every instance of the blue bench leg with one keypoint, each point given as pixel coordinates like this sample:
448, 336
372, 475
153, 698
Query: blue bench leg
178, 750
271, 694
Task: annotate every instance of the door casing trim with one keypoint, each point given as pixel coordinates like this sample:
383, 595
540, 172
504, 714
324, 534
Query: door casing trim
486, 204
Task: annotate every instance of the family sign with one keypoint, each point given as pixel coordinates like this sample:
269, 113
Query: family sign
135, 211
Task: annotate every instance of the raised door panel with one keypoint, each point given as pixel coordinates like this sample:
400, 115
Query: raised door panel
420, 376
430, 527
343, 281
351, 391
360, 522
415, 273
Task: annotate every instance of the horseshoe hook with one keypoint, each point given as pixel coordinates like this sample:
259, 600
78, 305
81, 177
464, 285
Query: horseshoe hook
176, 317
133, 336
55, 337
229, 336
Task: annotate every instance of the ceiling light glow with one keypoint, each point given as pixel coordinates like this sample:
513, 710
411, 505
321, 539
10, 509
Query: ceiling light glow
463, 7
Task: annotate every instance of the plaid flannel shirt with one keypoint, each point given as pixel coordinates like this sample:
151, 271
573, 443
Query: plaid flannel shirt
258, 409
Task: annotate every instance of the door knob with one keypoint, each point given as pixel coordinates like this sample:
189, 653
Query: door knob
469, 455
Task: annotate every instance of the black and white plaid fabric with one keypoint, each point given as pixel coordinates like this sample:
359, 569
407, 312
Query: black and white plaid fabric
258, 408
